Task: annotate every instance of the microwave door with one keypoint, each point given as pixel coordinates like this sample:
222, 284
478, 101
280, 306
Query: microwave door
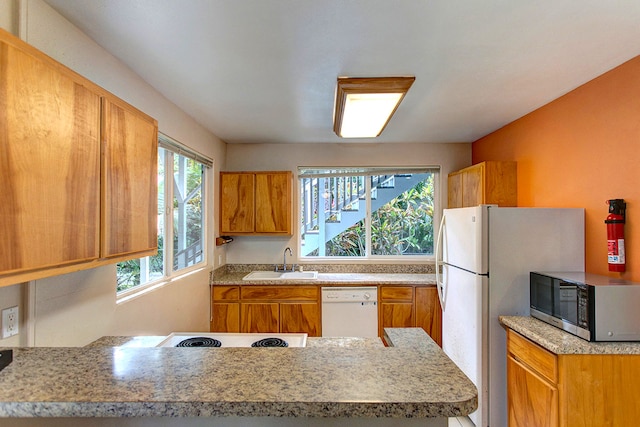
566, 301
541, 294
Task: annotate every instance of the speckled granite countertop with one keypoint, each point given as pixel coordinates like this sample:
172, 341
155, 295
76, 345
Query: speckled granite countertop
412, 379
335, 279
559, 342
334, 274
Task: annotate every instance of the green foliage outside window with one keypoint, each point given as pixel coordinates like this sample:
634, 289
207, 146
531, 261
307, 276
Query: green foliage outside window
403, 226
128, 272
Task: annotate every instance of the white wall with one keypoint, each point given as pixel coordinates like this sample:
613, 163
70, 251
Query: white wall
268, 250
77, 308
9, 15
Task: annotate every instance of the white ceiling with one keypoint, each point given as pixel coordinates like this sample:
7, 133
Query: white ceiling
265, 70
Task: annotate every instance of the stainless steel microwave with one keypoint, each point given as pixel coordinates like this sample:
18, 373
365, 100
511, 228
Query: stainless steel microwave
595, 308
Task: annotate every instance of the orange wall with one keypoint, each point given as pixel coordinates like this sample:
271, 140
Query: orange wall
579, 151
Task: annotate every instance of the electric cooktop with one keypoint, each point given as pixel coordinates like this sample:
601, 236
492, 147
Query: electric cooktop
219, 339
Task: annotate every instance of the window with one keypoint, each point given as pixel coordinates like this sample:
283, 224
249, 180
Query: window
367, 213
181, 221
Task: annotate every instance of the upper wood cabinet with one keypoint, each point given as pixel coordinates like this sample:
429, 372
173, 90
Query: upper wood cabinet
49, 162
490, 182
129, 190
256, 203
237, 203
273, 202
54, 210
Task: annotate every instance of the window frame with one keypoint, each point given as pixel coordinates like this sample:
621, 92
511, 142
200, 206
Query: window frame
369, 171
171, 148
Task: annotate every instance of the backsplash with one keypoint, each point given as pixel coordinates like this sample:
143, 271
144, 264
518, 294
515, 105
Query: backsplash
422, 268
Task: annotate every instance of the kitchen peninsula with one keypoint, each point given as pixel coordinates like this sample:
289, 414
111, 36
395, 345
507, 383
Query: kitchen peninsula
411, 383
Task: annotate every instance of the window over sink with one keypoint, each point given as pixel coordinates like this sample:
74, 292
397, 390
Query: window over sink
181, 219
367, 213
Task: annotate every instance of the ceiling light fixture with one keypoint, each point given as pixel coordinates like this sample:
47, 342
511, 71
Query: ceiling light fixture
364, 105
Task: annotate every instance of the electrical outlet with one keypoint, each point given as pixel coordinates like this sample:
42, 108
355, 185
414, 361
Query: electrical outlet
10, 322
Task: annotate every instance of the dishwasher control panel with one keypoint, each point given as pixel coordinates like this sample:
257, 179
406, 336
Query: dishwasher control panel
350, 294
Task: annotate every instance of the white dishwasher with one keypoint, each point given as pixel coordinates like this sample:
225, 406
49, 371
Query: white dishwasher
350, 312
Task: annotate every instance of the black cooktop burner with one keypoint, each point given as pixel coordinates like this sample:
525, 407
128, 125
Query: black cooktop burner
199, 342
270, 342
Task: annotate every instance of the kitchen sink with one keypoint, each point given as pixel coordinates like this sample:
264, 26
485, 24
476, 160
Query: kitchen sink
281, 275
263, 275
306, 275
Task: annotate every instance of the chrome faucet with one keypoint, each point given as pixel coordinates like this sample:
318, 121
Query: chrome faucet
284, 261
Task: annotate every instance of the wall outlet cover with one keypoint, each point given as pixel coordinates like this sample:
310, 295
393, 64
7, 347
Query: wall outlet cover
10, 322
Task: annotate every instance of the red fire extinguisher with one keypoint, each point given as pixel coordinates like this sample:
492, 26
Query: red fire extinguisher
615, 234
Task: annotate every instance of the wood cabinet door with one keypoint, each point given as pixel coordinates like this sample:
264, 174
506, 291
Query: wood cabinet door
531, 400
454, 193
473, 186
300, 317
429, 312
500, 183
49, 162
129, 191
225, 317
599, 389
397, 315
237, 206
273, 202
396, 308
259, 317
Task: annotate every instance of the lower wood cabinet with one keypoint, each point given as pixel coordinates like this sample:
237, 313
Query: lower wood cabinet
296, 308
532, 378
260, 317
286, 309
396, 307
300, 317
225, 309
429, 312
225, 317
567, 390
411, 306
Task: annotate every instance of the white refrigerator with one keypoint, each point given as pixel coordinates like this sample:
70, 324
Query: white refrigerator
483, 258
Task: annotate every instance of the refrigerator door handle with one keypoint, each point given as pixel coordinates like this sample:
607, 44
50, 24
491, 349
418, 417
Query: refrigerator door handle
439, 261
